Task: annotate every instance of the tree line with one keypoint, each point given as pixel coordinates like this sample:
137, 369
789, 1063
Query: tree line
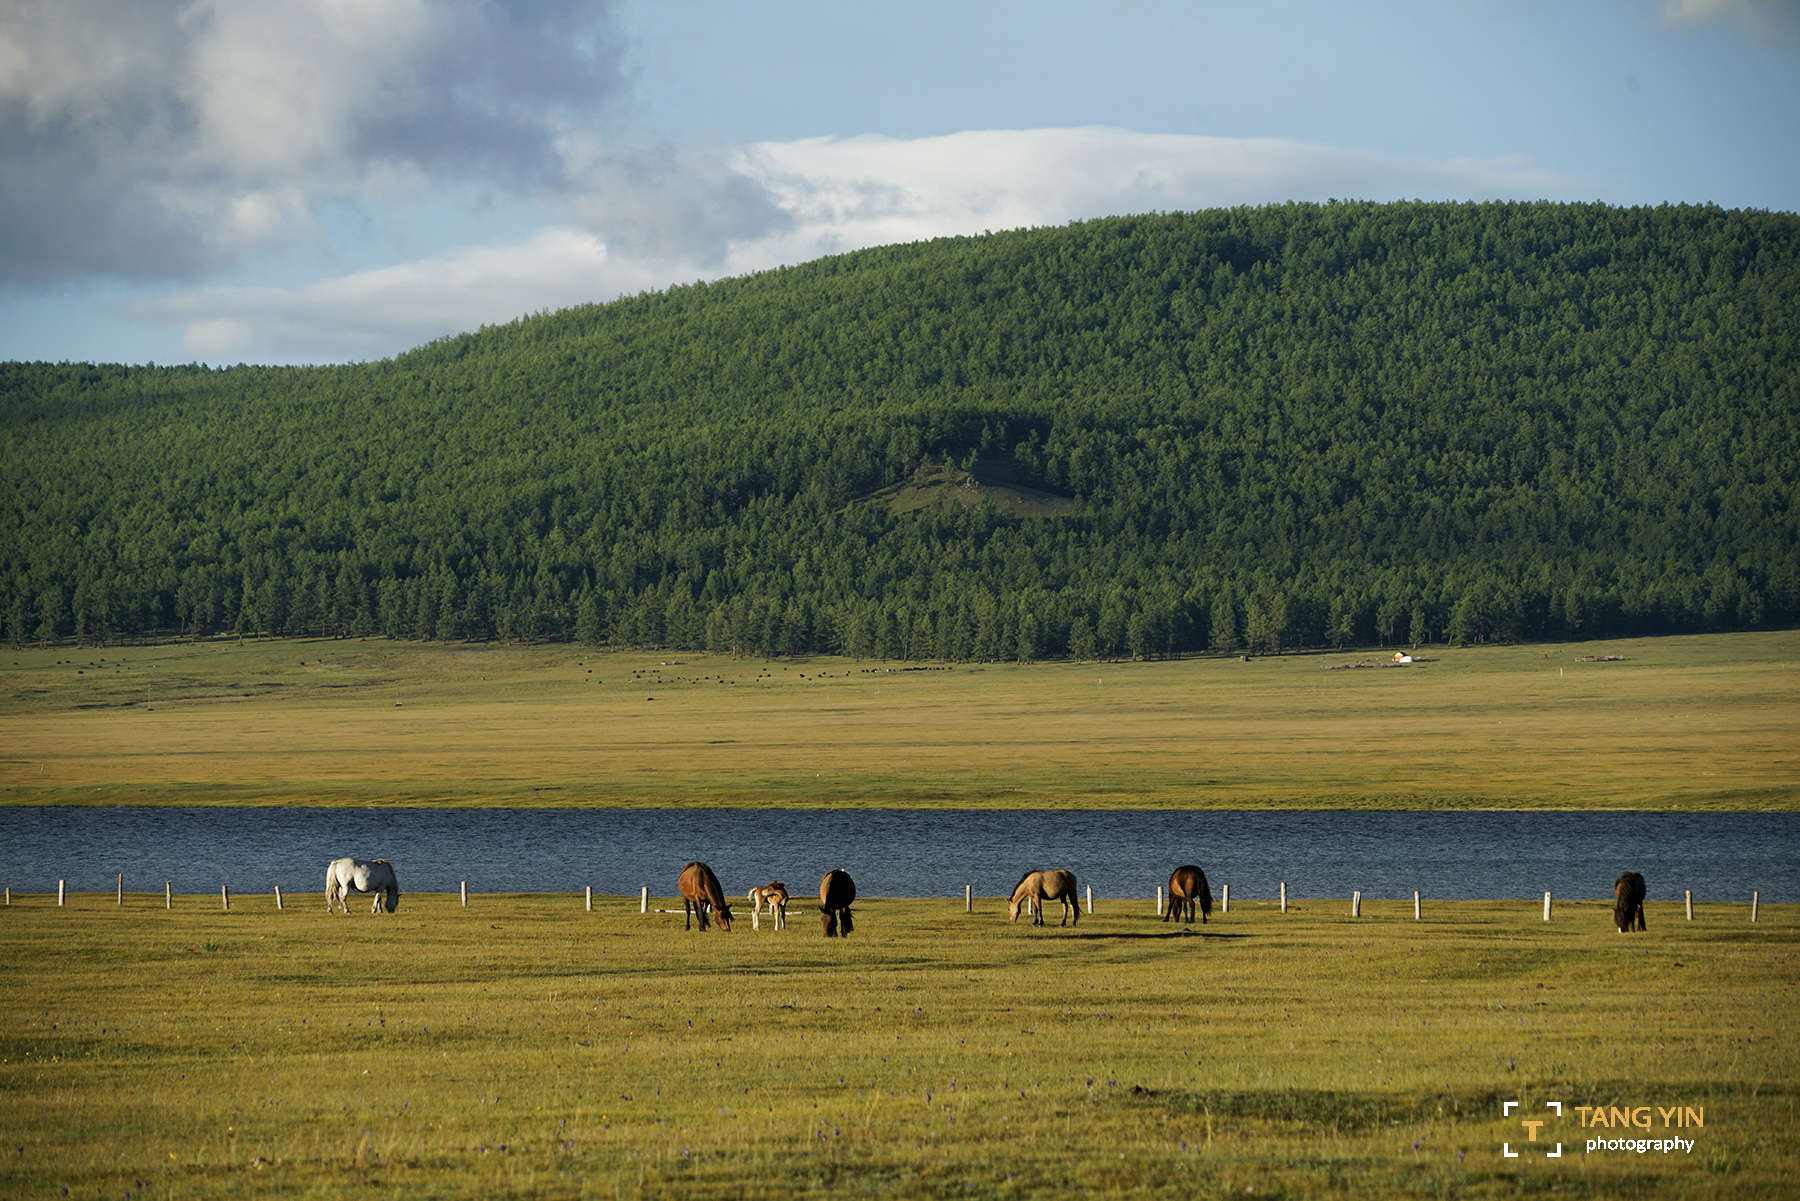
1295, 425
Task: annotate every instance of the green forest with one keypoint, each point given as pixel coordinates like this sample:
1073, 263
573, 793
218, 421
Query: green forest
1260, 428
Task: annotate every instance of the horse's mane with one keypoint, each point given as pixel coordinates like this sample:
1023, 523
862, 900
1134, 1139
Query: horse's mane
1030, 872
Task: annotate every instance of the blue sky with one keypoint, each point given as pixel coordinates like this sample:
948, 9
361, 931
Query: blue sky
303, 181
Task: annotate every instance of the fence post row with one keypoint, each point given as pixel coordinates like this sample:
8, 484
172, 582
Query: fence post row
968, 899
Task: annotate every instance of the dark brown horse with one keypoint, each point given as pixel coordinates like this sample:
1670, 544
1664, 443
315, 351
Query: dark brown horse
1628, 902
1187, 884
700, 891
837, 892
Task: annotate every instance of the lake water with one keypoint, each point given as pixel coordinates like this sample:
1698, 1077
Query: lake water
908, 853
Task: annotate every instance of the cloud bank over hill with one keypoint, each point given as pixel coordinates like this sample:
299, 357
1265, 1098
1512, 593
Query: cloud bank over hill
314, 180
642, 220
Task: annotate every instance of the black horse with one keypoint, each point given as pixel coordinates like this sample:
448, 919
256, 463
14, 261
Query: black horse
1628, 902
837, 892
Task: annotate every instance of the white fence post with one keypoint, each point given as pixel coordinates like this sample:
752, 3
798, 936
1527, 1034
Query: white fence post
644, 899
1356, 904
465, 894
968, 898
1546, 906
1284, 896
225, 896
1754, 897
1090, 889
121, 888
1159, 911
1690, 904
1415, 904
59, 890
168, 894
590, 898
278, 903
1224, 898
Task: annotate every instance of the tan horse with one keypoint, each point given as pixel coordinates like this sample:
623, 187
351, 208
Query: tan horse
775, 896
837, 892
1187, 884
1628, 902
700, 891
1046, 886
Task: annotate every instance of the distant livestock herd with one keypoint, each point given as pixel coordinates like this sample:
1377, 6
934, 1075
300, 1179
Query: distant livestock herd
703, 899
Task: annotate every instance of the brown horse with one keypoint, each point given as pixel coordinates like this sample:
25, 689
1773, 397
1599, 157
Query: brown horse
773, 894
1628, 902
1187, 884
837, 892
1046, 886
700, 891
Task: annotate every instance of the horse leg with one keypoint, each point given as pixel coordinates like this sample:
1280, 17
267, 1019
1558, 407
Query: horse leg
781, 917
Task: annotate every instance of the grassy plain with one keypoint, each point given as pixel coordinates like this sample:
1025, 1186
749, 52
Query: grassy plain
522, 1047
1705, 722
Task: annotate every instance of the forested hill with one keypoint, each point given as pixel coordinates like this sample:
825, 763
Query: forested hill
1275, 426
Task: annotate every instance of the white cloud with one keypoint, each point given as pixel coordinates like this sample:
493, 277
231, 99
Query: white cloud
1773, 21
650, 220
146, 138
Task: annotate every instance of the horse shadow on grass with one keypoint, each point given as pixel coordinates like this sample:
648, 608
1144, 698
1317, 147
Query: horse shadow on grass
1156, 936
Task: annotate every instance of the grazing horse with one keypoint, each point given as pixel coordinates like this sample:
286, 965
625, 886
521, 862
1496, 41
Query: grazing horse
1187, 884
1046, 886
837, 892
1628, 902
700, 892
345, 876
775, 896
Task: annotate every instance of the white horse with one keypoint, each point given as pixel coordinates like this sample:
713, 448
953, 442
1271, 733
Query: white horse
775, 896
348, 875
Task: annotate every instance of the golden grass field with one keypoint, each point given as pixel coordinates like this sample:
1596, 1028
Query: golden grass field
1709, 722
525, 1048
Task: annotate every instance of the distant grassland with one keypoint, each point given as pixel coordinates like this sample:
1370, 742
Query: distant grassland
1700, 722
524, 1048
